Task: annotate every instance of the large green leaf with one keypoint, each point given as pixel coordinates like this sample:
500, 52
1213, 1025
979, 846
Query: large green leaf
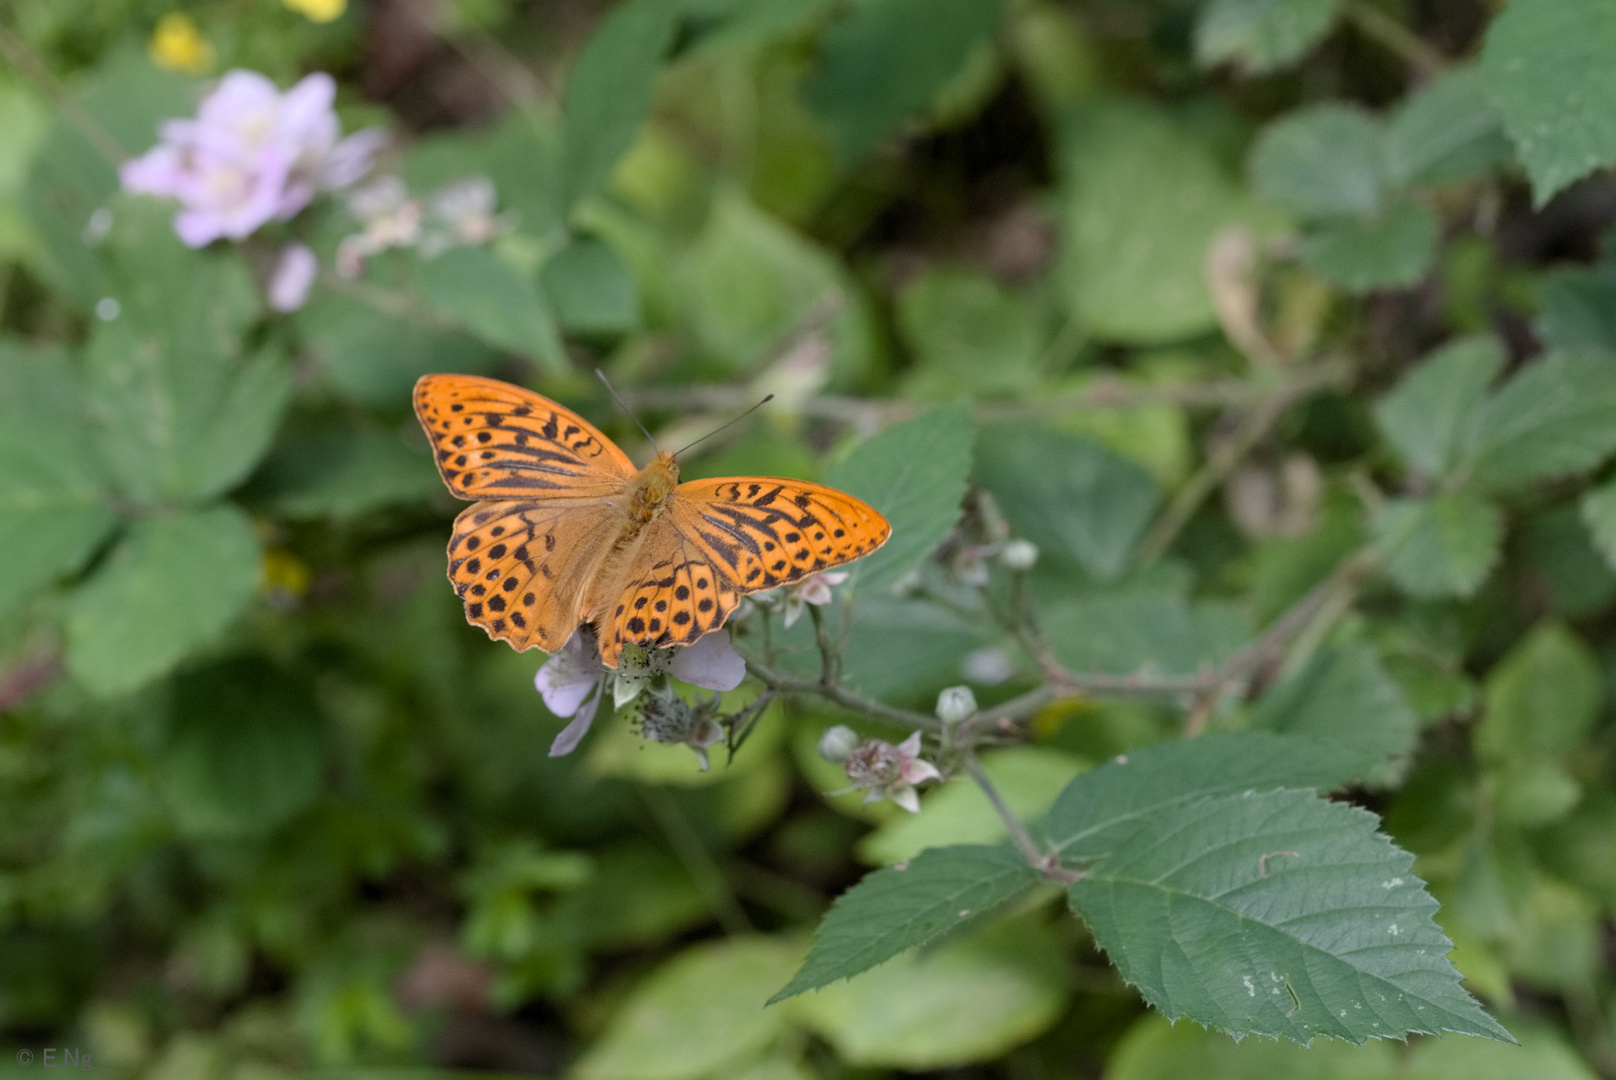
969, 1001
1547, 63
1321, 161
1279, 913
969, 333
173, 584
1444, 546
1542, 1055
1576, 307
700, 1014
915, 473
1344, 699
1390, 250
245, 751
1082, 505
1542, 698
1599, 511
591, 288
54, 506
1445, 131
344, 472
182, 410
1261, 35
1431, 414
1134, 629
1142, 201
1556, 416
491, 299
895, 909
609, 92
887, 59
375, 356
1155, 1049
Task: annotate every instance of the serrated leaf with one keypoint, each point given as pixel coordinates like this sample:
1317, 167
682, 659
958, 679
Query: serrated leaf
968, 333
1542, 698
968, 1001
1576, 307
1430, 415
1277, 914
1321, 161
609, 92
897, 908
1344, 699
171, 585
1599, 512
490, 298
1547, 65
1142, 200
54, 504
886, 60
1261, 35
698, 1015
1445, 131
245, 749
915, 473
1556, 416
1390, 250
1083, 505
1444, 546
181, 410
1099, 810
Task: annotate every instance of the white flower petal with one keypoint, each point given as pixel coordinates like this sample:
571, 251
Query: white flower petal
574, 733
711, 663
904, 796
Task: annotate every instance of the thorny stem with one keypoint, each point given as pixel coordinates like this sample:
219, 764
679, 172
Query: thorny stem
1045, 863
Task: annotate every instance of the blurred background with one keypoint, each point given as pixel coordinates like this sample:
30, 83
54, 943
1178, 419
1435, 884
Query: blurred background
270, 807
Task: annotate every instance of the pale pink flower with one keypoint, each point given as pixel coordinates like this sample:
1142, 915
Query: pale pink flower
570, 682
813, 589
292, 277
884, 771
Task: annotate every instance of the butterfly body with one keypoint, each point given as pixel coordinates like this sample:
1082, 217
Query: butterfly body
567, 531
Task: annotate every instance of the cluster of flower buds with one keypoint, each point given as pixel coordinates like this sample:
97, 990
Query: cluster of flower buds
674, 721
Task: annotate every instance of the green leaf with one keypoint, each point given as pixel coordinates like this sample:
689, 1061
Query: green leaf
1431, 414
1576, 307
915, 473
969, 333
1099, 811
609, 92
1444, 546
970, 1001
1155, 1049
1542, 1055
591, 289
54, 506
1542, 698
1344, 699
1556, 416
245, 750
1321, 161
910, 904
172, 585
478, 290
1599, 512
1261, 35
1447, 130
1276, 914
1135, 628
1559, 555
698, 1015
182, 412
1027, 777
1392, 250
887, 60
374, 356
1141, 202
1080, 503
71, 177
1547, 64
345, 472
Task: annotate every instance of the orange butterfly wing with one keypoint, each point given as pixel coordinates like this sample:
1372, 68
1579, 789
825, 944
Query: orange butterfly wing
723, 538
522, 561
493, 440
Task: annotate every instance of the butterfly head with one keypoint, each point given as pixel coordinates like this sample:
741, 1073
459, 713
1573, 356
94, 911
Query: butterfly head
652, 489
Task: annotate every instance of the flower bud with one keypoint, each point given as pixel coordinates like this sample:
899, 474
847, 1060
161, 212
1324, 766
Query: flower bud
1019, 555
837, 743
666, 720
955, 704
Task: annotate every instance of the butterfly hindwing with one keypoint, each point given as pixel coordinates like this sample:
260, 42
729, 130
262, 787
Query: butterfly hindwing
493, 440
521, 567
764, 532
676, 600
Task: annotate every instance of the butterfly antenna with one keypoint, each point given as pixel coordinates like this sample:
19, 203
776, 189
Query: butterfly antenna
730, 424
612, 391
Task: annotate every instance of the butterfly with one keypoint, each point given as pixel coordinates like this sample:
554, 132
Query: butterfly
566, 531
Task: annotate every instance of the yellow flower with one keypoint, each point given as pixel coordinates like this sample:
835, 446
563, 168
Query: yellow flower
318, 10
177, 45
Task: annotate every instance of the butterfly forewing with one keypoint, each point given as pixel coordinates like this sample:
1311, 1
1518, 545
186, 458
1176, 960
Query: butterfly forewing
493, 440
